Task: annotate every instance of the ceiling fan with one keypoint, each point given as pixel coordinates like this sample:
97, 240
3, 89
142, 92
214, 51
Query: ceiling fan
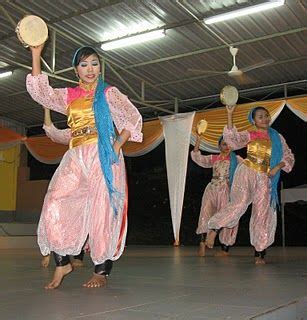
236, 73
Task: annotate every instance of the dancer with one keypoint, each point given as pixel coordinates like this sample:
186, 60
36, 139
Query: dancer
255, 180
87, 196
216, 194
61, 136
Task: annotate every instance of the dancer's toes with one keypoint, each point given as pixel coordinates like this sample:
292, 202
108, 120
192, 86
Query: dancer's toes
59, 274
96, 281
222, 254
259, 261
210, 238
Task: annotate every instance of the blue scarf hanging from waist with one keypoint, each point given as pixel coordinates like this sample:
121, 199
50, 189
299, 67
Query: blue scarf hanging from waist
106, 138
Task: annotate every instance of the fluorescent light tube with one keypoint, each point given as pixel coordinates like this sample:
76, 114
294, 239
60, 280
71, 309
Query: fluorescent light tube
5, 74
244, 11
133, 40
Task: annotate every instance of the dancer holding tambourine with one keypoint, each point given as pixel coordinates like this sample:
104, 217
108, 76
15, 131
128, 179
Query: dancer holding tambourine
216, 194
87, 196
255, 180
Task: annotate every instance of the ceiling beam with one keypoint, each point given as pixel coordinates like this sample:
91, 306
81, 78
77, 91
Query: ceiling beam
201, 51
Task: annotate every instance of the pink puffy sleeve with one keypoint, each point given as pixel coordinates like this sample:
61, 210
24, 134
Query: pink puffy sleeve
202, 161
288, 157
61, 136
40, 91
235, 139
125, 115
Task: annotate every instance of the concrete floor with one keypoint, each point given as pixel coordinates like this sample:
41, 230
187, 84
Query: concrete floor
155, 283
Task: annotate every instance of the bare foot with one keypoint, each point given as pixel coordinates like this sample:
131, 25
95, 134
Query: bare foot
45, 261
222, 254
176, 243
202, 249
259, 260
210, 238
96, 281
77, 263
59, 274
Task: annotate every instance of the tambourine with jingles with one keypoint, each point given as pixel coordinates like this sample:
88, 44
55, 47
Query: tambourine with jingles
201, 126
32, 31
229, 95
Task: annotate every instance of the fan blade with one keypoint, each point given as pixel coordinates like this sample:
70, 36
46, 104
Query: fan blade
258, 65
206, 71
243, 79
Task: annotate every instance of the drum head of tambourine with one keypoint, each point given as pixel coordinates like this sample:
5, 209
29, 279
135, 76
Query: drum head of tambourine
229, 96
202, 126
32, 30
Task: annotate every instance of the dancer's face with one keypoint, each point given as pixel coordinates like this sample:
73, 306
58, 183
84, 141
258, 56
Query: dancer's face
224, 147
89, 69
262, 119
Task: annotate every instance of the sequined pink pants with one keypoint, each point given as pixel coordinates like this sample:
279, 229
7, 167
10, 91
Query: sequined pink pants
214, 199
249, 186
77, 208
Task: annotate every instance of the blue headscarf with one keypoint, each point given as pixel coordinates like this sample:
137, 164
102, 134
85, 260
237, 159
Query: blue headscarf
233, 163
276, 157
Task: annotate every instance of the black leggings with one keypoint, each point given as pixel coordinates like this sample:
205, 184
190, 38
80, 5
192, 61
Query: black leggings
260, 254
101, 269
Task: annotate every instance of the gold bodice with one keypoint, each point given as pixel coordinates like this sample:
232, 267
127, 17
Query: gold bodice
259, 155
81, 120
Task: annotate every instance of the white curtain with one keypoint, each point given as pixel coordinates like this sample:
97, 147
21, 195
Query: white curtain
177, 131
299, 113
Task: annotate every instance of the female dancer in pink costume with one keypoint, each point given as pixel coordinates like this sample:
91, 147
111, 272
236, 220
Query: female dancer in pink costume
216, 194
87, 196
255, 180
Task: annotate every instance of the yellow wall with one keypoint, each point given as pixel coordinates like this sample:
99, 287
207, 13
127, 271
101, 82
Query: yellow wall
9, 162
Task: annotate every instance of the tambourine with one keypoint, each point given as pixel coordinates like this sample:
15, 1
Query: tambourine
32, 31
201, 126
229, 95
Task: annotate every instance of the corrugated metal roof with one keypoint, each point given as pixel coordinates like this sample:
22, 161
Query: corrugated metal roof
278, 34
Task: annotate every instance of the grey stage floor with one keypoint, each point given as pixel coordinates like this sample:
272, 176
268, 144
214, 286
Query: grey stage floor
155, 283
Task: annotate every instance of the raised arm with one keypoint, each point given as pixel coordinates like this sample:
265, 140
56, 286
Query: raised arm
235, 139
39, 89
202, 161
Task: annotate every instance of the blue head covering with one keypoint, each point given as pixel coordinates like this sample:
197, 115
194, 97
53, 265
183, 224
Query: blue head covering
276, 158
233, 163
73, 61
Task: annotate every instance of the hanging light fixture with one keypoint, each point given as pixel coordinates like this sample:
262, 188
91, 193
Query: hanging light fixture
5, 74
144, 37
244, 11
